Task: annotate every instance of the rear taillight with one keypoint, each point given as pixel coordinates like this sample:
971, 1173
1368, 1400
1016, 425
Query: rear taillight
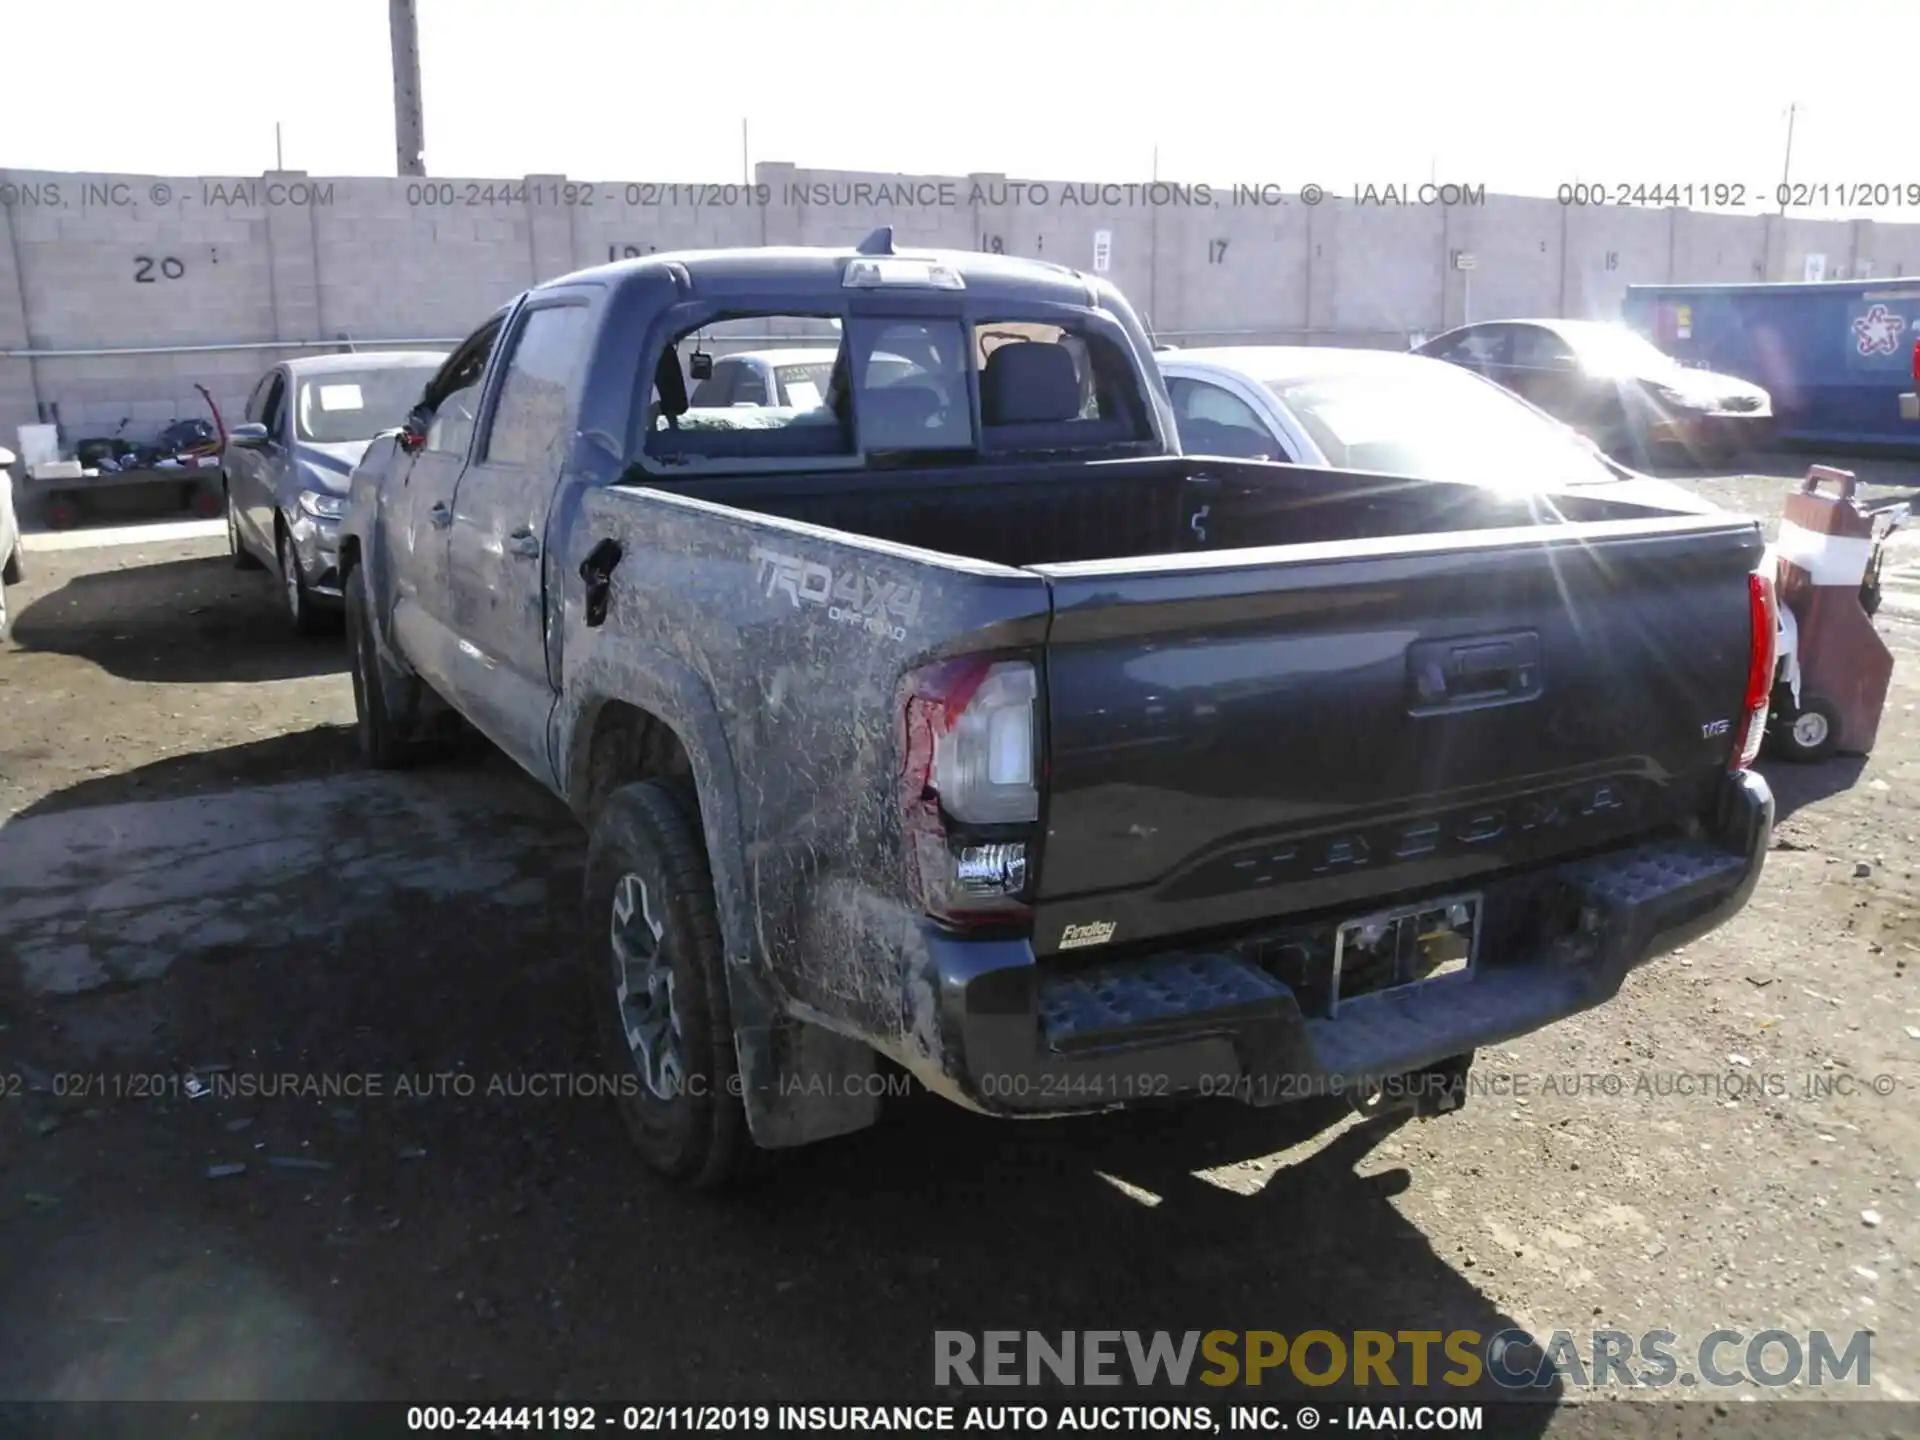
1762, 651
969, 787
1916, 362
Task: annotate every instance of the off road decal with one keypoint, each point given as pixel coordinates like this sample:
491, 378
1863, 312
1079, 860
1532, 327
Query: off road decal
880, 607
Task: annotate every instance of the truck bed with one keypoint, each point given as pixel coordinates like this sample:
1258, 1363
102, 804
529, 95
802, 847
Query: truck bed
1235, 653
1068, 511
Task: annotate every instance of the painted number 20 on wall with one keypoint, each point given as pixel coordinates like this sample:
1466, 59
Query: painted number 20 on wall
147, 269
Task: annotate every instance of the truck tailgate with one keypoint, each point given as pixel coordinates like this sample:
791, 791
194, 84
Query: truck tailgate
1248, 734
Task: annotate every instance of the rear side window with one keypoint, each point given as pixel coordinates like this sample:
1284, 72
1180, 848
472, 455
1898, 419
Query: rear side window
533, 416
1483, 346
1215, 421
1046, 385
710, 400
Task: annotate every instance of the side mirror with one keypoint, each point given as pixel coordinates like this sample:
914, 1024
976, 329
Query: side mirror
250, 436
413, 433
1564, 364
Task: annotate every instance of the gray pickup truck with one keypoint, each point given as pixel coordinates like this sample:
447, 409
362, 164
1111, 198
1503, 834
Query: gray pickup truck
959, 723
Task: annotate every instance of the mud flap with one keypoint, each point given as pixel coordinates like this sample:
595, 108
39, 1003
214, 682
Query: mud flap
802, 1082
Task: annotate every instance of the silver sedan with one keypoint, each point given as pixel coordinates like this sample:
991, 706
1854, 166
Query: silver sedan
306, 425
1377, 410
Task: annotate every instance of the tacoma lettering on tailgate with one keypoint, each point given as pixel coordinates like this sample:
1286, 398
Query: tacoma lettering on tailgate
880, 607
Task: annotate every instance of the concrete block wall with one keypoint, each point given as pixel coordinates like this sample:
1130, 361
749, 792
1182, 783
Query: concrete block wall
94, 263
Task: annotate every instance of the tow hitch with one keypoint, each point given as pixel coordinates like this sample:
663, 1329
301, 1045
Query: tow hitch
1438, 1089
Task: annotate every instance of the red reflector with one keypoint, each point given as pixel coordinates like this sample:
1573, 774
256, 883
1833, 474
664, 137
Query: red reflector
1762, 655
1916, 362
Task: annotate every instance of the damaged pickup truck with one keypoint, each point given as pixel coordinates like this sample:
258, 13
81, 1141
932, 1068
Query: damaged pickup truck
948, 718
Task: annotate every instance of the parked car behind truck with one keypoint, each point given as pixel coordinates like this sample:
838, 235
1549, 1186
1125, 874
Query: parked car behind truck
1630, 397
962, 723
286, 466
1377, 410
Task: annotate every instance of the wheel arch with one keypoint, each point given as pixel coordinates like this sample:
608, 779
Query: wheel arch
660, 720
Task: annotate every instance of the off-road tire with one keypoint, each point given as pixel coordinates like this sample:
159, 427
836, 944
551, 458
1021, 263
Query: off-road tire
386, 706
697, 1136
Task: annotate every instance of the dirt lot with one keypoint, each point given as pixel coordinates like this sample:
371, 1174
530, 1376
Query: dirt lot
197, 879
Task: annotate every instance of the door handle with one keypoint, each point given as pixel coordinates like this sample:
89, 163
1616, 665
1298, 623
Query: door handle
1469, 673
440, 515
523, 544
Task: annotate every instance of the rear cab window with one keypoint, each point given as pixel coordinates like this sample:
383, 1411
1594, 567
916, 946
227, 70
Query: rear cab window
860, 388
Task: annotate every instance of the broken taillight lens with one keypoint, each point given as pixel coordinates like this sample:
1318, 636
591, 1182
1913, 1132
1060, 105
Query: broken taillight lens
1762, 656
969, 791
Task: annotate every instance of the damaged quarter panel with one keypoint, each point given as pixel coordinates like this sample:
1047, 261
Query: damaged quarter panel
775, 650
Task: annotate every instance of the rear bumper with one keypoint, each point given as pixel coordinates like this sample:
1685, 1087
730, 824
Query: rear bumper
1020, 1038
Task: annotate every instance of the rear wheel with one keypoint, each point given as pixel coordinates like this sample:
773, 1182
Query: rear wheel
384, 704
656, 977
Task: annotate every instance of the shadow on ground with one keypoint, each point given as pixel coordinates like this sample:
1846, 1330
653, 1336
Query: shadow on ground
219, 624
438, 1198
1795, 784
313, 753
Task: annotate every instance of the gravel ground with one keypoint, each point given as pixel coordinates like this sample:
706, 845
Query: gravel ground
196, 877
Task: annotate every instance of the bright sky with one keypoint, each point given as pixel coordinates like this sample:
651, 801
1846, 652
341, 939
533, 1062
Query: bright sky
1522, 95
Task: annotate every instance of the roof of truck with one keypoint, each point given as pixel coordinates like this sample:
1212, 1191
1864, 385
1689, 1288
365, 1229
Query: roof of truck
811, 269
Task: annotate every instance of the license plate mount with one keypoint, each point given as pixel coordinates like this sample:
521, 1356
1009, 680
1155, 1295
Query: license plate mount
1406, 946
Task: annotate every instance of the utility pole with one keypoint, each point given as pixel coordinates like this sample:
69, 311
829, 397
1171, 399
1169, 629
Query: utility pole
1786, 170
746, 169
279, 157
409, 122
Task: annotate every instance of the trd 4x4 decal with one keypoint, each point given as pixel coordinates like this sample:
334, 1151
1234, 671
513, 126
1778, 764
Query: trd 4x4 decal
880, 607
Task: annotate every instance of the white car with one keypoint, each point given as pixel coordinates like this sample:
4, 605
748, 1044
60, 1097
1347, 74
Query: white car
796, 378
9, 538
1377, 410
